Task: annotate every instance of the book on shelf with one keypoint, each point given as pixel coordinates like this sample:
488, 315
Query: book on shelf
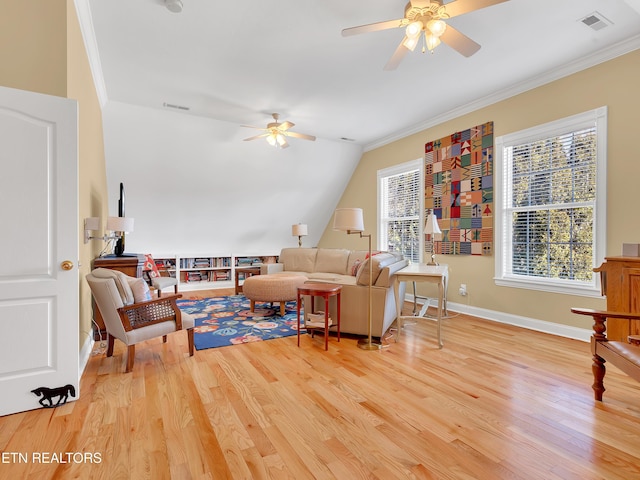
221, 275
316, 320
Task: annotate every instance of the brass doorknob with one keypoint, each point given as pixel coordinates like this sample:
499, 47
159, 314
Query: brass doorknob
66, 265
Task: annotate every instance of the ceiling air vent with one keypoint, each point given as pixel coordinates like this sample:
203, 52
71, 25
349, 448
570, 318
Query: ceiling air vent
174, 106
596, 21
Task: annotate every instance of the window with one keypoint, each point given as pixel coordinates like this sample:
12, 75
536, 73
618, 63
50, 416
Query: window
550, 208
400, 200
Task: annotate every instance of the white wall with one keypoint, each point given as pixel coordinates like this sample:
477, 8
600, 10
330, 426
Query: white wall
194, 187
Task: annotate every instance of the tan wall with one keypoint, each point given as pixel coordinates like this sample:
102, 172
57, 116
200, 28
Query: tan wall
33, 45
92, 176
613, 84
41, 50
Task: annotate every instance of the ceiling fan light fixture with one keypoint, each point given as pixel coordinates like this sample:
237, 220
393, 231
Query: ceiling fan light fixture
437, 27
431, 41
411, 42
414, 29
174, 6
271, 139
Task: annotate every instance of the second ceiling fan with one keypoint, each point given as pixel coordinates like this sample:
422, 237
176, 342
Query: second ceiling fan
276, 133
428, 18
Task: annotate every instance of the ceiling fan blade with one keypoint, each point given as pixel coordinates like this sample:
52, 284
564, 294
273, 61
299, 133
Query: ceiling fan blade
460, 7
284, 144
371, 27
251, 126
459, 41
301, 135
262, 135
285, 126
397, 56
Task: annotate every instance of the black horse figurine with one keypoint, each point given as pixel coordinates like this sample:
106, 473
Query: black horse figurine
48, 393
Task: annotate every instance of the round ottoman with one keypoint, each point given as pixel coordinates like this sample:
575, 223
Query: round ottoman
272, 288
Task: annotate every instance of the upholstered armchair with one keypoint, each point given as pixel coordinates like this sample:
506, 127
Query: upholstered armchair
131, 315
159, 278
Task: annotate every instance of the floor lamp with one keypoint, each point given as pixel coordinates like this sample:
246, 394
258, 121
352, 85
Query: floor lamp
351, 220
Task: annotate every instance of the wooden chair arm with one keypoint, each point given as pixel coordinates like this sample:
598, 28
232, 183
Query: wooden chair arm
142, 314
600, 317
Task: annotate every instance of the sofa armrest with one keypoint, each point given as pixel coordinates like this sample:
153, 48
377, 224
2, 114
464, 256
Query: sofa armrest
385, 277
267, 268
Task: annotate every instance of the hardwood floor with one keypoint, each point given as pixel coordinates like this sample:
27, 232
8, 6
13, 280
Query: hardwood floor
497, 402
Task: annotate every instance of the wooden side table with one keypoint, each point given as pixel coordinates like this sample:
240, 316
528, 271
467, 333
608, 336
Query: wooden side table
326, 291
247, 272
130, 264
421, 273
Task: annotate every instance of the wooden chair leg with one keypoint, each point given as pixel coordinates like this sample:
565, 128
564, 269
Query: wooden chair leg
599, 371
159, 292
175, 288
253, 305
190, 339
283, 310
110, 341
131, 356
164, 339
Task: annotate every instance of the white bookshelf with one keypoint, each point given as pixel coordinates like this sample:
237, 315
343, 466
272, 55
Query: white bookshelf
207, 271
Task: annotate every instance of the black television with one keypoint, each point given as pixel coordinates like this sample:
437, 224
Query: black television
118, 249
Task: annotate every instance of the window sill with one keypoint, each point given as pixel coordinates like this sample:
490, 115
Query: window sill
546, 285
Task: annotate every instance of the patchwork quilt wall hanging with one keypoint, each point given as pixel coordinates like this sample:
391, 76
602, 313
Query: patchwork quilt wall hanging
459, 190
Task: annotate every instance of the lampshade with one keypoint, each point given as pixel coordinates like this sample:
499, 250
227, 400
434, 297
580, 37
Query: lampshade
431, 226
348, 220
120, 224
299, 230
437, 27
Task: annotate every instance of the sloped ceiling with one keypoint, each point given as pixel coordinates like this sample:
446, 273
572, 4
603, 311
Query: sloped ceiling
234, 63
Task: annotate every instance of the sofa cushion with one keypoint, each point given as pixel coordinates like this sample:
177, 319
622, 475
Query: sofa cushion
378, 262
356, 259
298, 259
332, 260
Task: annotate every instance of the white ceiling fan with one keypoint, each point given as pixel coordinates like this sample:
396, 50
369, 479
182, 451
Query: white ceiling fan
276, 133
428, 17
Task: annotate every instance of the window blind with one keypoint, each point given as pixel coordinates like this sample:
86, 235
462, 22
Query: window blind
551, 204
400, 213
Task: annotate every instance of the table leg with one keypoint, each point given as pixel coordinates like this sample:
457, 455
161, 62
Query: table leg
440, 301
338, 315
326, 321
298, 309
396, 294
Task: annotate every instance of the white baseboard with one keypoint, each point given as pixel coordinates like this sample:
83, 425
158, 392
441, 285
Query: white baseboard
85, 354
516, 320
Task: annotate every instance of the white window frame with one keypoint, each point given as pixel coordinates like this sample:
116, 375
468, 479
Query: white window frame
384, 173
502, 192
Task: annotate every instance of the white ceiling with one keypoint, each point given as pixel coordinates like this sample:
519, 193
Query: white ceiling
238, 61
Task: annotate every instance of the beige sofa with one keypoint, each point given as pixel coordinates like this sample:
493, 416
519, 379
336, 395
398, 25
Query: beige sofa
333, 265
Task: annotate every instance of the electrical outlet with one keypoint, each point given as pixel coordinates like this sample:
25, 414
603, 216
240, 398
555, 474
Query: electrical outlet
463, 289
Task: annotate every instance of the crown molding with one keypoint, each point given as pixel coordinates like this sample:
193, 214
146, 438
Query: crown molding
589, 61
83, 11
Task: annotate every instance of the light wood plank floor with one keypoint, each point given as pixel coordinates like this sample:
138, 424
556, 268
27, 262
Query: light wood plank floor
497, 402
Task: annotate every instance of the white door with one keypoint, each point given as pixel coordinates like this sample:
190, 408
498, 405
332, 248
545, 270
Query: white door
39, 325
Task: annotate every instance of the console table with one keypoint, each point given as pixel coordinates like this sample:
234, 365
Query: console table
130, 264
419, 272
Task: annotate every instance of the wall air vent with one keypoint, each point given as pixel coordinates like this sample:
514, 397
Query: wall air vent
176, 107
596, 21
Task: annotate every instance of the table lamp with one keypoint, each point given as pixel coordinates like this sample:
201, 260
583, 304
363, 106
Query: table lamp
299, 230
432, 228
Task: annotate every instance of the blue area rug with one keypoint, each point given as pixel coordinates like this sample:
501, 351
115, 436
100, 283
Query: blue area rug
223, 321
